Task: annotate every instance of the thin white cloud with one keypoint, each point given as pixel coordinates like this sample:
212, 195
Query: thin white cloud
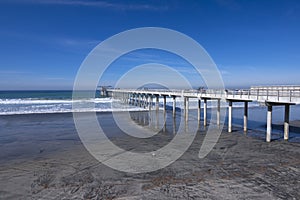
11, 72
56, 78
99, 4
76, 42
53, 40
225, 72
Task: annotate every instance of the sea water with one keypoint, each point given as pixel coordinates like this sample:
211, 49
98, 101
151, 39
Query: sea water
15, 103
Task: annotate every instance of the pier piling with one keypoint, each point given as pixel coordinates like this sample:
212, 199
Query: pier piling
269, 123
286, 121
174, 106
218, 111
157, 102
245, 116
230, 116
205, 112
199, 110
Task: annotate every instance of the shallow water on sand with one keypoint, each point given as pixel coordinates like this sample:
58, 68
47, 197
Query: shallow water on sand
23, 136
42, 157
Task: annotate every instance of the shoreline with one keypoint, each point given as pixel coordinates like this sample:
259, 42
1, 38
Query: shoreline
239, 167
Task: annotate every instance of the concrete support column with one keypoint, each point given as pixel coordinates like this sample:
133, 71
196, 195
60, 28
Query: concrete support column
157, 118
133, 99
184, 107
199, 110
139, 101
146, 101
157, 103
164, 113
205, 112
143, 101
165, 102
174, 125
174, 106
230, 117
269, 124
150, 102
187, 109
165, 122
218, 111
245, 116
286, 121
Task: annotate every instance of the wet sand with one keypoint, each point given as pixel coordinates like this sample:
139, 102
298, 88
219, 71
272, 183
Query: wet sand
43, 158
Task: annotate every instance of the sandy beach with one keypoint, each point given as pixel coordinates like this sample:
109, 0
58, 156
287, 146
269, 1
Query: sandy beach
43, 158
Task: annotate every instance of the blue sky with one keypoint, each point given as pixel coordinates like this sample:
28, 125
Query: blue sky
43, 43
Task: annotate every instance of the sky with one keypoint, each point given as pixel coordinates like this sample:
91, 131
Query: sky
44, 43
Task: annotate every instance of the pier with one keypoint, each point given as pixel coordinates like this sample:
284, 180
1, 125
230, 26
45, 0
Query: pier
268, 96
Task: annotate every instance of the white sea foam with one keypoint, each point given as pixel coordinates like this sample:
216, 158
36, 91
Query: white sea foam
51, 101
36, 106
32, 105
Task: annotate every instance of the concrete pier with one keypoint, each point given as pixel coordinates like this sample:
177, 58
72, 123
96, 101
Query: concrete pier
268, 95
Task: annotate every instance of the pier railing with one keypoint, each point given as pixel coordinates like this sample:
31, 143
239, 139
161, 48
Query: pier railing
280, 94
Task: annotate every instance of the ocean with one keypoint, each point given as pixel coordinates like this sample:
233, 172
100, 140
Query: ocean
15, 103
35, 102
